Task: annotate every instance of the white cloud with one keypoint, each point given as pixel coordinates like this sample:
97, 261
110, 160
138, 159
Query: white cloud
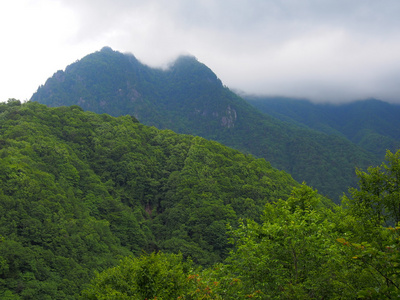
34, 38
327, 50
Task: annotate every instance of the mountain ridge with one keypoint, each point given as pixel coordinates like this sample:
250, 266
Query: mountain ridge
80, 190
189, 98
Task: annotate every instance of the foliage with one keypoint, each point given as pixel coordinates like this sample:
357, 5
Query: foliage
290, 253
81, 191
375, 248
295, 253
78, 191
377, 199
154, 276
381, 261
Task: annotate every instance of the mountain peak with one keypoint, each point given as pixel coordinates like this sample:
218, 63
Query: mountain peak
106, 49
189, 98
186, 59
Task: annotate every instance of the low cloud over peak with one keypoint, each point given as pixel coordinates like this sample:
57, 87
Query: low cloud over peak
324, 50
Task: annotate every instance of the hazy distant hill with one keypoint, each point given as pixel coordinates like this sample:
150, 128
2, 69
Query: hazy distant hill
372, 124
189, 98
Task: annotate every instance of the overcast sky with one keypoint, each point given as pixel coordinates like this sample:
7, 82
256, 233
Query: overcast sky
325, 50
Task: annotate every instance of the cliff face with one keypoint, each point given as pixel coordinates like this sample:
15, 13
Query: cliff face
230, 118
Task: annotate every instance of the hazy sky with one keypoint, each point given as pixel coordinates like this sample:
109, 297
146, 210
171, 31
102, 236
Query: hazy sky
325, 50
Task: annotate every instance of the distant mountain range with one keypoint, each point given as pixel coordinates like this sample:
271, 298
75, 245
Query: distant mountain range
189, 98
371, 124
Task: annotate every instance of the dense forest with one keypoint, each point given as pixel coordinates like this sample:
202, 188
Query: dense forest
189, 98
81, 190
102, 207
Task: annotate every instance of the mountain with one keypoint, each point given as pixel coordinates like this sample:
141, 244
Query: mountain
79, 190
187, 95
189, 98
371, 124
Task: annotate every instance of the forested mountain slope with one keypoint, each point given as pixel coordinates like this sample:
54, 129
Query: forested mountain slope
301, 250
189, 98
79, 190
372, 124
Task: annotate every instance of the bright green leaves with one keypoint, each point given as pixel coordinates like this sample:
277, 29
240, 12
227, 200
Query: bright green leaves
79, 190
166, 276
377, 199
297, 252
372, 248
381, 261
154, 276
291, 252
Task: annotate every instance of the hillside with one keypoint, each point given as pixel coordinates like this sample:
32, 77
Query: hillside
98, 207
79, 190
189, 98
371, 124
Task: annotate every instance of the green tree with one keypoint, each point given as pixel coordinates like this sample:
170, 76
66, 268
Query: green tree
373, 244
154, 276
378, 198
380, 259
293, 253
78, 191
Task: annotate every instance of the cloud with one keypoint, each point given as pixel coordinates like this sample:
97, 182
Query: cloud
31, 33
325, 50
319, 49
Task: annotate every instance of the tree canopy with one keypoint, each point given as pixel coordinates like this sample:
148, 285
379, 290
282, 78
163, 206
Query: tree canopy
79, 190
98, 207
301, 249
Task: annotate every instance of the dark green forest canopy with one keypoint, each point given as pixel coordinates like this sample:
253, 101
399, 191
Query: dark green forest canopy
80, 190
189, 98
98, 207
300, 250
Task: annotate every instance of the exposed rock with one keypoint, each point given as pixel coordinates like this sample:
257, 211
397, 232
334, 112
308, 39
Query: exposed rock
230, 118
